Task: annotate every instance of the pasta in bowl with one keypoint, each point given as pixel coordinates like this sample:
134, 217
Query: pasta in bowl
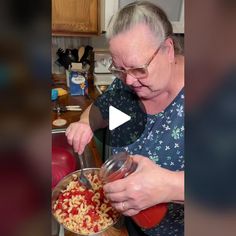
83, 211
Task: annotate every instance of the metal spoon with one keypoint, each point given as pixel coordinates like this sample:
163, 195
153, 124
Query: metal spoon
83, 179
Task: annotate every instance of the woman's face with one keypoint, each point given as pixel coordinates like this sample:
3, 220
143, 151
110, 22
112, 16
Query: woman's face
134, 48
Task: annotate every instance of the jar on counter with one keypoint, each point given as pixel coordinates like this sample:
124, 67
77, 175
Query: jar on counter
118, 167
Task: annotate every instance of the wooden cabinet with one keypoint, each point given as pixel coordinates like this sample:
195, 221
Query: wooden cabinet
75, 17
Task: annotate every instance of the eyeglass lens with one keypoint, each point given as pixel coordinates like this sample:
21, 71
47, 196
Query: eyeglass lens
137, 73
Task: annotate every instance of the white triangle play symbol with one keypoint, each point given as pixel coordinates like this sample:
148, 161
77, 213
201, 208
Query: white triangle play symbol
117, 118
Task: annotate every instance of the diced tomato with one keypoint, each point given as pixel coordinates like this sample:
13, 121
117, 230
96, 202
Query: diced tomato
74, 211
101, 192
66, 214
91, 212
110, 213
84, 224
59, 205
61, 198
88, 197
95, 228
65, 195
94, 216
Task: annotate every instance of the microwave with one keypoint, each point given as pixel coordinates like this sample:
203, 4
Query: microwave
173, 8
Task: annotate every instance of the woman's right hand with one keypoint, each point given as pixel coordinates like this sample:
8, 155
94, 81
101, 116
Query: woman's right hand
79, 134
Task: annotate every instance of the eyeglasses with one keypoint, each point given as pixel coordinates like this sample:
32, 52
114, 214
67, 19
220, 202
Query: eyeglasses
139, 72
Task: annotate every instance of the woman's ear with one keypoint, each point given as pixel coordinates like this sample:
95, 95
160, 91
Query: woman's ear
170, 49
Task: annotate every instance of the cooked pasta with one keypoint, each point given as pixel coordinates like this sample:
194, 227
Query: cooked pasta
84, 211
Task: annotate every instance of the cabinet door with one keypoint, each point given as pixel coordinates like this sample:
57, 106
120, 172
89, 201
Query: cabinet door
75, 17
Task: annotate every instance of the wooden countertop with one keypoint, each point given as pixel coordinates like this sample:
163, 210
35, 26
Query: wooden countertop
59, 81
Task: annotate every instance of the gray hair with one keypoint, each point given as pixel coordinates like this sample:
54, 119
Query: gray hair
142, 12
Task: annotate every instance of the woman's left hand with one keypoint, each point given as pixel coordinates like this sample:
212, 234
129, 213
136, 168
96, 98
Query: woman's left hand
147, 186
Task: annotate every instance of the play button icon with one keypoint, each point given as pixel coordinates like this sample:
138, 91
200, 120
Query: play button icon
122, 114
117, 118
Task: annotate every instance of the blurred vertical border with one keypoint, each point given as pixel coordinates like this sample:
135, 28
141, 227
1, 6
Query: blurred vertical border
210, 79
25, 140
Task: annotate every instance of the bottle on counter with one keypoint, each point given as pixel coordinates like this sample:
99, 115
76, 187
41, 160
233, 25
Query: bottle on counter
118, 167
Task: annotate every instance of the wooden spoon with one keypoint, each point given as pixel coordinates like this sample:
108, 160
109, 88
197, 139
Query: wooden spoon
81, 52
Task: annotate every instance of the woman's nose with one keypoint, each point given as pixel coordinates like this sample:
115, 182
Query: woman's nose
129, 80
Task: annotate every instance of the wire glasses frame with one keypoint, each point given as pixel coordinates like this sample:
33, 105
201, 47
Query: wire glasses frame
139, 72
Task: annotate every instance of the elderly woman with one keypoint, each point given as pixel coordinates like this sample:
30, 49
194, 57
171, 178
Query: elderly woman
145, 59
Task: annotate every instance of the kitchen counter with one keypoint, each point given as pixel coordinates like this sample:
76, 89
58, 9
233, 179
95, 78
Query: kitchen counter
59, 81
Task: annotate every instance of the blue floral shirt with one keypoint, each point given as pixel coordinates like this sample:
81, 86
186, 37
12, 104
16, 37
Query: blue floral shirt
163, 142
